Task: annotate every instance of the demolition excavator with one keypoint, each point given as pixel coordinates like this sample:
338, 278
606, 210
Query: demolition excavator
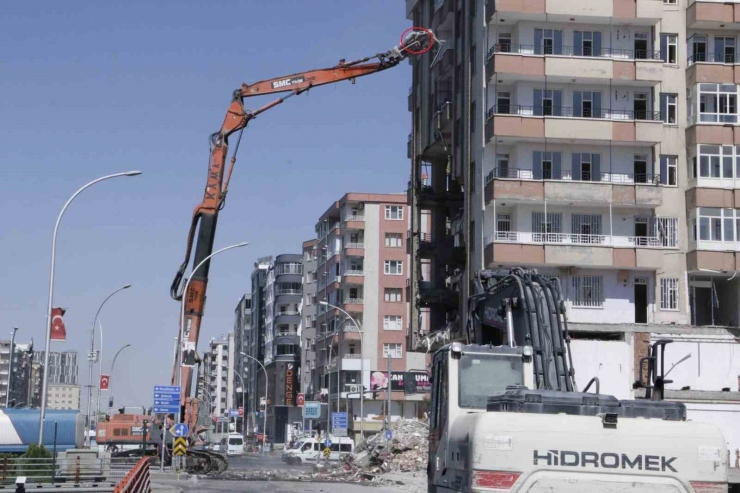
507, 415
205, 216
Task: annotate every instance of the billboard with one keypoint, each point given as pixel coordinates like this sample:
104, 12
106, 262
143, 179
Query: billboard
379, 381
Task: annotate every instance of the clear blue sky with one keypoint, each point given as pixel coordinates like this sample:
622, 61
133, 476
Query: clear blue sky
91, 88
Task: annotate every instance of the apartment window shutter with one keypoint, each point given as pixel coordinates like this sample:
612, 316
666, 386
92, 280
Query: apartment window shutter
556, 157
663, 170
538, 41
577, 98
664, 107
595, 167
597, 44
664, 47
558, 49
557, 102
596, 113
537, 165
575, 169
537, 102
577, 43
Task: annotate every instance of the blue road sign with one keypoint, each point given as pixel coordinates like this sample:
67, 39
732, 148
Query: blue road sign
327, 443
179, 430
166, 402
164, 395
167, 389
166, 410
339, 420
312, 410
388, 434
233, 413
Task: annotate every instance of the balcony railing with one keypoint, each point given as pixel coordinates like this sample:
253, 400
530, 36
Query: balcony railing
351, 328
354, 273
568, 175
712, 58
578, 239
281, 292
351, 356
562, 111
354, 218
571, 51
354, 245
353, 301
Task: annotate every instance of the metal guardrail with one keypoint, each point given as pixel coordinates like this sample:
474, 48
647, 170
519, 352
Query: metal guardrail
138, 480
568, 112
76, 470
571, 51
712, 58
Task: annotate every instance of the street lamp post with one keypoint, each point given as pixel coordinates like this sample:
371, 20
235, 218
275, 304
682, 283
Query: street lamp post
362, 366
47, 341
91, 359
264, 425
112, 366
182, 303
244, 414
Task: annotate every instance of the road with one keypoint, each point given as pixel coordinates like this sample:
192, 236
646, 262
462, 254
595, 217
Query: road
218, 486
271, 461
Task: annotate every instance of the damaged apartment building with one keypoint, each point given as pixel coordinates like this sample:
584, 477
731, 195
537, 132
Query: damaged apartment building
596, 141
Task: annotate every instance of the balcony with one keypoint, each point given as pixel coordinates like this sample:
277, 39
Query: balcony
638, 12
564, 186
578, 239
354, 305
711, 68
444, 116
713, 14
353, 276
354, 249
354, 222
569, 124
429, 195
512, 62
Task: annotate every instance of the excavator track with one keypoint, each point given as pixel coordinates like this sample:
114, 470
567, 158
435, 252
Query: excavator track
205, 462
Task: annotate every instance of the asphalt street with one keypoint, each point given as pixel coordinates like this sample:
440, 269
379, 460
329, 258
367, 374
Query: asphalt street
271, 461
218, 486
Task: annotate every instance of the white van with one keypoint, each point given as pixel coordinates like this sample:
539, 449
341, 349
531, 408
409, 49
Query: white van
309, 450
233, 444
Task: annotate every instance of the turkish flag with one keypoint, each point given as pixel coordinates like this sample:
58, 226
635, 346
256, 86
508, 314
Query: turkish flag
104, 382
58, 331
301, 400
241, 412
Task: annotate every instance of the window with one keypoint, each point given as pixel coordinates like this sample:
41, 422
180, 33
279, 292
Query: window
724, 49
395, 349
392, 322
587, 43
669, 48
393, 240
394, 212
548, 42
670, 2
393, 295
393, 267
717, 224
669, 108
669, 170
669, 294
586, 228
587, 291
720, 162
713, 103
504, 42
666, 230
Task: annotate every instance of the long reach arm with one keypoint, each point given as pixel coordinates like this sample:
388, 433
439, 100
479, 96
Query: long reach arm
237, 118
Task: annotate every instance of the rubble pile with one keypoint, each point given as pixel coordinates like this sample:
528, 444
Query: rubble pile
408, 449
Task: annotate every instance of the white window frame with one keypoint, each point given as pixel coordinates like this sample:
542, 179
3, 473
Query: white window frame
395, 348
394, 212
715, 156
669, 294
672, 41
671, 101
716, 217
393, 295
717, 92
588, 291
394, 240
671, 165
392, 322
393, 267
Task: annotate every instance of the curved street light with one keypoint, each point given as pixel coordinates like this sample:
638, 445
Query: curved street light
91, 358
45, 385
112, 366
182, 308
362, 366
264, 425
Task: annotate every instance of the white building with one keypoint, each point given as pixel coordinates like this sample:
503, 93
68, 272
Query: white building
63, 396
220, 373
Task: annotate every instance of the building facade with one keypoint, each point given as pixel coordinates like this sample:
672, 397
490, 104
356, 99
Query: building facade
362, 269
596, 142
15, 374
242, 341
219, 367
308, 316
283, 294
63, 366
256, 379
63, 396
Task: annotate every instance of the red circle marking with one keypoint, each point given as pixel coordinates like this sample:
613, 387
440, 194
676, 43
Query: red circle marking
428, 33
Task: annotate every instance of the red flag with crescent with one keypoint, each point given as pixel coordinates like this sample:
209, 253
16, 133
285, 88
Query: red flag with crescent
104, 382
58, 331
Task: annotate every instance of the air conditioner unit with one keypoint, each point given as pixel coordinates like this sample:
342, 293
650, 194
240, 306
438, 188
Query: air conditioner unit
352, 388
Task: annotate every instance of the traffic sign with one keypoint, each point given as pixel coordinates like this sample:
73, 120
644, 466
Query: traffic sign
312, 410
388, 435
179, 430
338, 420
166, 399
327, 443
181, 446
165, 410
233, 413
167, 389
166, 402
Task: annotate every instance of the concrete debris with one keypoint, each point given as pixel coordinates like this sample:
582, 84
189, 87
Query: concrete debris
406, 452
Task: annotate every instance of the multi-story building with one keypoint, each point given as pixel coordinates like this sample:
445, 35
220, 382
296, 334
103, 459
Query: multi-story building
255, 380
283, 293
219, 370
308, 315
63, 366
16, 371
242, 341
63, 396
362, 269
594, 140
